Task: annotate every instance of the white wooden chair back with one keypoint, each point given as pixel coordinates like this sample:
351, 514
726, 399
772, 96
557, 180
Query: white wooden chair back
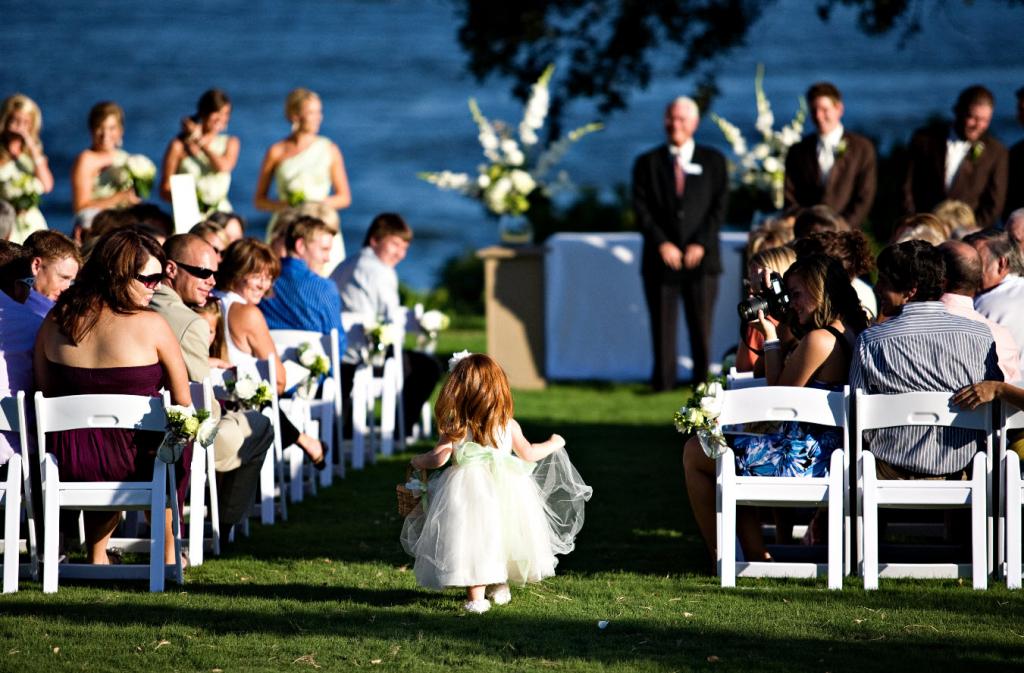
930, 409
736, 380
327, 407
272, 479
783, 403
134, 412
366, 389
16, 494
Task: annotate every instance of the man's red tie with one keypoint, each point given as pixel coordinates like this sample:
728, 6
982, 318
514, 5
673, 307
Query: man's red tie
680, 177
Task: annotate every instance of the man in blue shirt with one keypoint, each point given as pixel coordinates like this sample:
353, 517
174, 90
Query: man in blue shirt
303, 299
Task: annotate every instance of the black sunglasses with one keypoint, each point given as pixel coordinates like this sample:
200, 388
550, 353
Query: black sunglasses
152, 280
200, 272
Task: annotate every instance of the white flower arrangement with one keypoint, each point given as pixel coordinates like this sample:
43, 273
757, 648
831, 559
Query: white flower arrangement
185, 424
133, 171
504, 184
431, 323
763, 168
211, 189
250, 393
317, 363
22, 190
700, 416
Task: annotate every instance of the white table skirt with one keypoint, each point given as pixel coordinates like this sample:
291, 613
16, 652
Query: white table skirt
596, 324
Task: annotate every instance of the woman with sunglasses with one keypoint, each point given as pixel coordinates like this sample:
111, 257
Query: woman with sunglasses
101, 337
246, 273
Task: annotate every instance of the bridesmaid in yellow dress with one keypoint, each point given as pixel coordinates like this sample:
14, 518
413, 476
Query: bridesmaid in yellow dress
23, 163
93, 186
203, 150
304, 166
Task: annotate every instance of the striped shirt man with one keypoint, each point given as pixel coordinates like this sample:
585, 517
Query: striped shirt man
303, 300
925, 348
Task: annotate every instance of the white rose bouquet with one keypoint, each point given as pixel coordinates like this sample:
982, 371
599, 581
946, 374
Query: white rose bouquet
431, 323
514, 168
379, 335
185, 424
763, 168
211, 189
142, 172
250, 393
700, 416
317, 364
22, 190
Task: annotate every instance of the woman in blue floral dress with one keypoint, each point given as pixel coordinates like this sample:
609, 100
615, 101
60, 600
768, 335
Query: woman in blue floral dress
825, 313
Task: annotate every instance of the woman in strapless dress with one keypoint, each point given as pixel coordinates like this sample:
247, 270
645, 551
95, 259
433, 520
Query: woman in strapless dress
101, 337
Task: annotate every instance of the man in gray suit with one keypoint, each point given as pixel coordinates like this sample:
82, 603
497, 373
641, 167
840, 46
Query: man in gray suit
242, 437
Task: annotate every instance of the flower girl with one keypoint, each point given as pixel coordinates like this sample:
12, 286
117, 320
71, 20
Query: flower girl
497, 515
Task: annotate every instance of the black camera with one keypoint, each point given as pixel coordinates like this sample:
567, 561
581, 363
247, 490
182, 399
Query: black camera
773, 300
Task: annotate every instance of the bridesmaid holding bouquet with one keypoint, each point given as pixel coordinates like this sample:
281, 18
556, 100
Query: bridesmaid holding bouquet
24, 171
305, 167
203, 150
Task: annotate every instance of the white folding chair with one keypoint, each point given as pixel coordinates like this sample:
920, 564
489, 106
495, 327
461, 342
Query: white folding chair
327, 407
134, 412
921, 409
272, 478
366, 390
1011, 500
202, 480
735, 380
783, 403
16, 495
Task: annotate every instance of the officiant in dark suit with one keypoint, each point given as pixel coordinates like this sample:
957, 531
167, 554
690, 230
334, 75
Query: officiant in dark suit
679, 196
833, 167
960, 161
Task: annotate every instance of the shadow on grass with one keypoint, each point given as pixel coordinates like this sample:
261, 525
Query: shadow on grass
638, 519
419, 623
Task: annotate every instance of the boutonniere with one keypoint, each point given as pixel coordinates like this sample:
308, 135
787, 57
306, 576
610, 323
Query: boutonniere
840, 149
976, 150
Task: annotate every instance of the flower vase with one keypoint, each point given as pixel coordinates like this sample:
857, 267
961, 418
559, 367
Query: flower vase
377, 357
515, 230
307, 389
713, 443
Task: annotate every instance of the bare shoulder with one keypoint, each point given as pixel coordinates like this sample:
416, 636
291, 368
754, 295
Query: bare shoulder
245, 315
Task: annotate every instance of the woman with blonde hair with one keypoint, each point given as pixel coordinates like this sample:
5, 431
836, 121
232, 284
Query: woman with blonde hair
205, 152
774, 260
305, 166
24, 170
95, 183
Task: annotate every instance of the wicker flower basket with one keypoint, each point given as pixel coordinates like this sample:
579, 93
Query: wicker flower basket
408, 499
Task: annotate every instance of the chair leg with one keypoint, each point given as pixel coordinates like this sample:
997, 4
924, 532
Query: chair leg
197, 506
979, 523
359, 427
727, 509
389, 408
1013, 521
158, 503
835, 522
211, 481
870, 527
179, 574
267, 473
12, 524
51, 524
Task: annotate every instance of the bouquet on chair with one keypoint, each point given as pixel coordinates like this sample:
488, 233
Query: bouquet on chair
250, 393
317, 364
700, 416
184, 425
379, 336
431, 322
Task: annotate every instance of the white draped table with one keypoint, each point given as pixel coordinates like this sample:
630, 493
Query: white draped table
596, 325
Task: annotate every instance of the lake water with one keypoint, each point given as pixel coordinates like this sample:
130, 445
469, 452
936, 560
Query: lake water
394, 88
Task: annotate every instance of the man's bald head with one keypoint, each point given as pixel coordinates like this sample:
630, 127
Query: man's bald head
963, 268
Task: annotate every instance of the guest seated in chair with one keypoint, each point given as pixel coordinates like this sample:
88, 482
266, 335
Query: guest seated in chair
244, 277
243, 437
101, 337
55, 262
825, 313
368, 285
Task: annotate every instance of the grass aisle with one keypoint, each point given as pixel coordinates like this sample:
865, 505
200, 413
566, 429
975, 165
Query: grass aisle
332, 590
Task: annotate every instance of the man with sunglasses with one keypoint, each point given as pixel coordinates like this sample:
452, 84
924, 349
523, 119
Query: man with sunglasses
242, 437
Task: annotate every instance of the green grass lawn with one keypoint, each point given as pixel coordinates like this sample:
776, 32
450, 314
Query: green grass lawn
332, 590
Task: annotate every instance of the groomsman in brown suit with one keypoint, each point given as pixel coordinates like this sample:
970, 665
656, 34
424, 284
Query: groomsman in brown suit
962, 161
833, 166
1015, 188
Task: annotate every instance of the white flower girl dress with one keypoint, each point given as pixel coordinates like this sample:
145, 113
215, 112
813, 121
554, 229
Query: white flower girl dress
492, 517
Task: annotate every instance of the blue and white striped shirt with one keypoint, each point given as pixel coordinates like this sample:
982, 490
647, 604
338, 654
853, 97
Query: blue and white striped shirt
925, 348
303, 300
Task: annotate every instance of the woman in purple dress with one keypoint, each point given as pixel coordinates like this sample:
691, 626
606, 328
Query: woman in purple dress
101, 337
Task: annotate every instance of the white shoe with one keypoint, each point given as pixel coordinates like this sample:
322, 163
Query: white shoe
499, 593
477, 607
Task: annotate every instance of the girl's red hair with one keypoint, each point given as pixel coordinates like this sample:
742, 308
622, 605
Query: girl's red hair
475, 401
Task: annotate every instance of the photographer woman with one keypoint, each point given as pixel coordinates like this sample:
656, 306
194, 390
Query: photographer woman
826, 316
749, 355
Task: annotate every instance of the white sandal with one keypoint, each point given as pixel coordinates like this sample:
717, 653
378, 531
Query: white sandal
477, 607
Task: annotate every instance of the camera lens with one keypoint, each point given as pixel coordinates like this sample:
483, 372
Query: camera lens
749, 307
